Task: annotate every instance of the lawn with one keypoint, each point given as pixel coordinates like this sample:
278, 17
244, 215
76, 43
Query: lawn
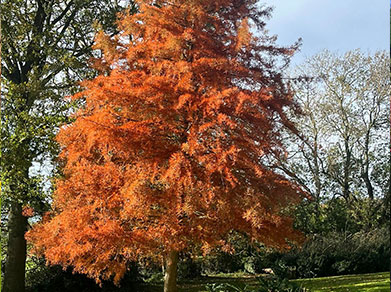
379, 282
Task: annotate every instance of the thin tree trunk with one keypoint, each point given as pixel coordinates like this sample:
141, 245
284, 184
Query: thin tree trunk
171, 271
14, 277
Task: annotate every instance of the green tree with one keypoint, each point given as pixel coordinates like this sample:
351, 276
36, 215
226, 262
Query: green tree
46, 45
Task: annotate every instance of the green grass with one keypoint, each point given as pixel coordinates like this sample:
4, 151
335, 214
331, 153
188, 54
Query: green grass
379, 282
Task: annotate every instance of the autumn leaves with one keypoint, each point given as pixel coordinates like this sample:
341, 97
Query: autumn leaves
167, 150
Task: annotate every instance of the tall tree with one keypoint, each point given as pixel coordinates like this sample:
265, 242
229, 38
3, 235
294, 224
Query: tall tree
168, 149
342, 149
45, 48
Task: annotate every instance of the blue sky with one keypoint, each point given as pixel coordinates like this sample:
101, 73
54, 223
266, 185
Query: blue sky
337, 25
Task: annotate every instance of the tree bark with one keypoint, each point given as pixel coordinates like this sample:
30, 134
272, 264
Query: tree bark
14, 271
171, 271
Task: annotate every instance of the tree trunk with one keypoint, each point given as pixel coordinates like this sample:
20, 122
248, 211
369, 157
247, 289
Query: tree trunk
14, 271
171, 271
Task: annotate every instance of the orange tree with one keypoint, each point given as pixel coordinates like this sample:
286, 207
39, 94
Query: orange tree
168, 149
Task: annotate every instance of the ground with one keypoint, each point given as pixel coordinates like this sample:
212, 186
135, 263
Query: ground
379, 282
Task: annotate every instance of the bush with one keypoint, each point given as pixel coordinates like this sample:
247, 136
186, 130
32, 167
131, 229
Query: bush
221, 262
189, 267
42, 278
336, 254
277, 284
267, 284
248, 257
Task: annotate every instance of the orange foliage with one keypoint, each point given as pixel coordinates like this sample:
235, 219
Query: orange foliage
168, 149
28, 211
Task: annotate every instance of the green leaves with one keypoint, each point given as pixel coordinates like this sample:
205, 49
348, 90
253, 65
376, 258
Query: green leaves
46, 46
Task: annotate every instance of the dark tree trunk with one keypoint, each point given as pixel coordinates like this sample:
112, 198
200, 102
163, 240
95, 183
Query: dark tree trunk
368, 184
14, 271
171, 271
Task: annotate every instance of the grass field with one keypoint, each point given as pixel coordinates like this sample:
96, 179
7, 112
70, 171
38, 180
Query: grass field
379, 282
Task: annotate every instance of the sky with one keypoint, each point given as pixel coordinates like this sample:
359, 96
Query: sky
336, 25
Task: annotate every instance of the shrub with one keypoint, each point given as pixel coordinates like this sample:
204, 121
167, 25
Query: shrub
42, 278
266, 284
221, 262
337, 253
277, 284
189, 267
